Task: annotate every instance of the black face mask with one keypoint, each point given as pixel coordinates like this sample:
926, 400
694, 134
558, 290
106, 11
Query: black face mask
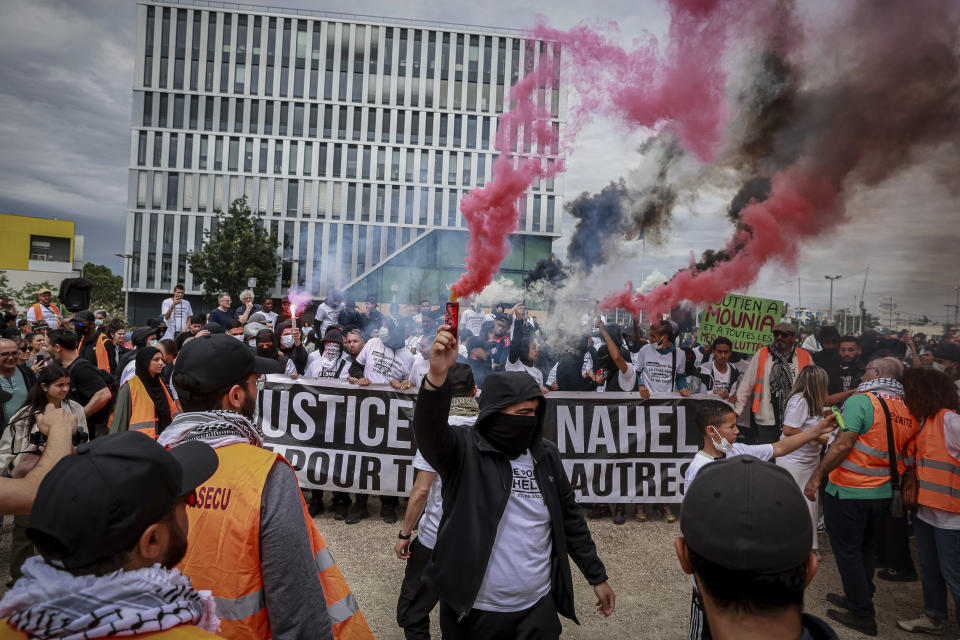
509, 434
267, 351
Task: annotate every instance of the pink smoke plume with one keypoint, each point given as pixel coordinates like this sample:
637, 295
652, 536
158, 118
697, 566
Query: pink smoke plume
298, 301
491, 211
682, 88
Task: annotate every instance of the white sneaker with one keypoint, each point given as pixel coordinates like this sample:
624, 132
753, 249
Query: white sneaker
923, 624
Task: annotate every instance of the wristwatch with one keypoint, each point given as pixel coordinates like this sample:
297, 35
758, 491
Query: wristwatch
404, 537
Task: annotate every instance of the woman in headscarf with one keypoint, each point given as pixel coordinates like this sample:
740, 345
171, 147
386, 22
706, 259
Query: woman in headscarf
143, 402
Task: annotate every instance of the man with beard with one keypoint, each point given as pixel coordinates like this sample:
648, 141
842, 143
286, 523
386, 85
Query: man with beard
946, 359
509, 580
252, 541
841, 360
110, 524
772, 371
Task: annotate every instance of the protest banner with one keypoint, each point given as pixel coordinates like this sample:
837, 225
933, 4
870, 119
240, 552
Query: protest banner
615, 447
747, 322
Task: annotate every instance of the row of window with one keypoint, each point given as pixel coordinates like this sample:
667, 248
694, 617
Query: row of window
297, 119
349, 201
298, 57
311, 252
308, 159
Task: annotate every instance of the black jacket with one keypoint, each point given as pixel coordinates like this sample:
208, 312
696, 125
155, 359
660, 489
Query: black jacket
476, 486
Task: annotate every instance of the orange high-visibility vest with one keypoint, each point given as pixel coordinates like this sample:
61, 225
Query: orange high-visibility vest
938, 473
867, 465
38, 311
223, 554
180, 632
803, 360
103, 358
143, 414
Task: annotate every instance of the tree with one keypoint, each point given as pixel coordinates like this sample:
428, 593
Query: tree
27, 294
107, 293
240, 249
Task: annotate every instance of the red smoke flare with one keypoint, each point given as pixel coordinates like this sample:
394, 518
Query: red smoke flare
491, 211
800, 206
684, 90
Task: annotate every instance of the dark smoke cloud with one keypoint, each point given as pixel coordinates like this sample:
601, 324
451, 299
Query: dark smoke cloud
549, 269
621, 211
862, 125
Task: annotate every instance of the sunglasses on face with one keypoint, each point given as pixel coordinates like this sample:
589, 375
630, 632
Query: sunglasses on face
10, 354
781, 334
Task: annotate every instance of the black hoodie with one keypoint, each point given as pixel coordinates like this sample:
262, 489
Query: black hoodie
476, 486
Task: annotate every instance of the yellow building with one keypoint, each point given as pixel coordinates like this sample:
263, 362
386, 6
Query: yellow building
37, 249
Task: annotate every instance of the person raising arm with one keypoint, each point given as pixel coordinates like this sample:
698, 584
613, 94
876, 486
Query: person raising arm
17, 494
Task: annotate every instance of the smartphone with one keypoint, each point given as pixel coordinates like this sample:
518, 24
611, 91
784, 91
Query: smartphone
452, 317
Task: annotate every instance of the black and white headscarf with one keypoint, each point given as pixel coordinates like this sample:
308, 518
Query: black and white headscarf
781, 380
51, 603
217, 428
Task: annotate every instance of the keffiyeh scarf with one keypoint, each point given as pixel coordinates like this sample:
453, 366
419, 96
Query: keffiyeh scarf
50, 603
781, 380
216, 428
886, 386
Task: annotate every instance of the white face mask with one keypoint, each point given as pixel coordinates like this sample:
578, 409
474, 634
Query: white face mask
252, 342
152, 343
286, 341
939, 367
384, 335
723, 445
239, 336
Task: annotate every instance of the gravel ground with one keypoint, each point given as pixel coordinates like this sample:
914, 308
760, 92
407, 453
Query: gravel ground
653, 594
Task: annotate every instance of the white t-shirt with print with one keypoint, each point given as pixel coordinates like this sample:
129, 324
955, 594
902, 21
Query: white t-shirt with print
797, 414
178, 319
721, 381
762, 451
518, 572
381, 364
657, 372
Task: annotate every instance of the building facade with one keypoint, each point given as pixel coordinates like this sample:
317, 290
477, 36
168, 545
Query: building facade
39, 250
354, 139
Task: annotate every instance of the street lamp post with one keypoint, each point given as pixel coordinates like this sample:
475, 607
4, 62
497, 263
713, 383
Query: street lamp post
126, 282
831, 279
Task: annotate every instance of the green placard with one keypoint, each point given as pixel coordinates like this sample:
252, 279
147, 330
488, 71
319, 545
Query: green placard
747, 322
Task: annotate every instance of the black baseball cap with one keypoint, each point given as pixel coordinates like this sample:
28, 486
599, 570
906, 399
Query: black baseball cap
98, 501
215, 361
747, 515
477, 342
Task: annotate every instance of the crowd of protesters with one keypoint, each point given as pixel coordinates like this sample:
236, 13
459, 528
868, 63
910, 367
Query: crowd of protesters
864, 426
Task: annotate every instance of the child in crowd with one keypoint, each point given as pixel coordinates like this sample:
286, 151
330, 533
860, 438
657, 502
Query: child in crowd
804, 412
717, 423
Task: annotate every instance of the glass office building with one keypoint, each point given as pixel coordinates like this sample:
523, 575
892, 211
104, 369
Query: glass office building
354, 138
